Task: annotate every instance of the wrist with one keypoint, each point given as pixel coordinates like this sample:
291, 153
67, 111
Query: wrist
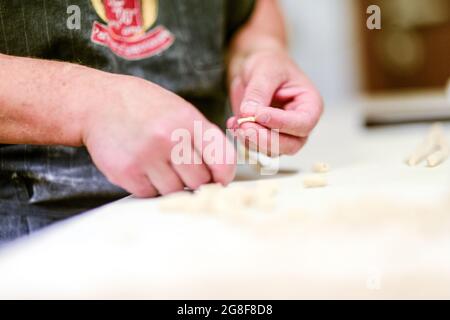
239, 54
91, 93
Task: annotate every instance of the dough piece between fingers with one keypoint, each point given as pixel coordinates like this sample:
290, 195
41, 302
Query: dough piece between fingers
244, 120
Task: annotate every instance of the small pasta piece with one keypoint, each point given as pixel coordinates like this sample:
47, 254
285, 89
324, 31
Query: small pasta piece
315, 181
429, 146
244, 120
321, 167
443, 152
420, 154
438, 157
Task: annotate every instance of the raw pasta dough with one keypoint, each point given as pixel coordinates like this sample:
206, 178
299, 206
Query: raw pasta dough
244, 120
321, 167
434, 149
214, 198
438, 157
315, 181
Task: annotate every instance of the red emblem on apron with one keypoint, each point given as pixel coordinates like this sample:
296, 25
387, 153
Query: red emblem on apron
125, 33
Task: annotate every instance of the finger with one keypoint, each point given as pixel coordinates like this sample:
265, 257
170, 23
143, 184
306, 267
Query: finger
232, 123
290, 91
193, 175
145, 189
217, 153
236, 94
310, 102
269, 142
260, 89
163, 176
138, 185
298, 122
289, 96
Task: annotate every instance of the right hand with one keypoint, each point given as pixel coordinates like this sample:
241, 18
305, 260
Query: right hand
128, 135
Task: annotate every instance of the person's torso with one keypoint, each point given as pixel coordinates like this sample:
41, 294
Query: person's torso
178, 44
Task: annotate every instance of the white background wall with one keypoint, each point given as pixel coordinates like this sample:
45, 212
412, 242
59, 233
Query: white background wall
323, 39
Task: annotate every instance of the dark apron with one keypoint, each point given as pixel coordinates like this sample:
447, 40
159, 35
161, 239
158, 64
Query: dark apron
43, 184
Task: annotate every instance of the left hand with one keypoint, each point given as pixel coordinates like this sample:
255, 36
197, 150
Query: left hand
269, 86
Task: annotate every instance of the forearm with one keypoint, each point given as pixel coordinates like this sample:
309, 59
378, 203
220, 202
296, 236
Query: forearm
44, 102
264, 31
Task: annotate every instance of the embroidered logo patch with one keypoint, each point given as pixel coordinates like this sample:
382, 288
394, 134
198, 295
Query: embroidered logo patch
126, 31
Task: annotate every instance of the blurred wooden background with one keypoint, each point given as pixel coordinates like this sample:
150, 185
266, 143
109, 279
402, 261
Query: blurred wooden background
412, 50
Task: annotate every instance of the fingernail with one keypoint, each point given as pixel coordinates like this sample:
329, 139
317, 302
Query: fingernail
264, 118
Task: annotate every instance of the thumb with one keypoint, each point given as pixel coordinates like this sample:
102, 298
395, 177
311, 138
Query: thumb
259, 92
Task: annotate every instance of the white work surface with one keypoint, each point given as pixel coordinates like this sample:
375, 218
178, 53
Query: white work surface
380, 229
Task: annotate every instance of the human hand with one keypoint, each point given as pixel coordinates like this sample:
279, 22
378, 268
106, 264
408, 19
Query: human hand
128, 135
269, 86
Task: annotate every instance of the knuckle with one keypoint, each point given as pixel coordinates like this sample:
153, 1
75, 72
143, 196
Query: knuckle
225, 174
127, 167
172, 188
290, 146
144, 192
201, 179
158, 132
117, 170
160, 135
